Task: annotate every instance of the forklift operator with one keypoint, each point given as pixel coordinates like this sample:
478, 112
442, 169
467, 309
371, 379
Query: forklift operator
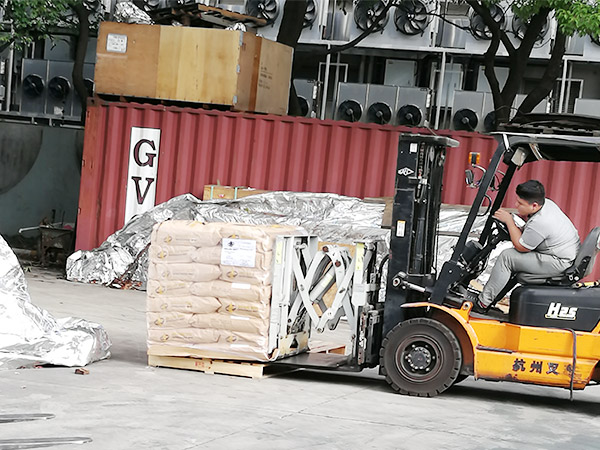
544, 248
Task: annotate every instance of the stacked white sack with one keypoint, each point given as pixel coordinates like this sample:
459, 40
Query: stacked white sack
209, 288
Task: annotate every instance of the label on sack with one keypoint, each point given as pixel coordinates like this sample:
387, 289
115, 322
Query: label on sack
238, 252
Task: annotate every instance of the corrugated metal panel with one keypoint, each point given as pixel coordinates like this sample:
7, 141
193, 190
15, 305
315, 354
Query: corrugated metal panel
200, 147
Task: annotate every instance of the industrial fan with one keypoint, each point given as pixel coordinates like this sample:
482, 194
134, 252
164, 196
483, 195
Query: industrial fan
311, 14
465, 120
380, 113
490, 123
365, 13
409, 115
59, 87
479, 28
304, 106
264, 9
33, 85
519, 28
411, 17
349, 110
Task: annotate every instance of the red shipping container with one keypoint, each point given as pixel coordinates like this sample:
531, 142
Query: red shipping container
189, 148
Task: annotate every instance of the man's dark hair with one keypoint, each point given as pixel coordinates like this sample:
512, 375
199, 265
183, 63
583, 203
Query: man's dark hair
532, 191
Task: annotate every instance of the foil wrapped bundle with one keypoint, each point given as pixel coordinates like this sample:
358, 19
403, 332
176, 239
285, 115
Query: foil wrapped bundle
451, 221
127, 12
31, 336
122, 260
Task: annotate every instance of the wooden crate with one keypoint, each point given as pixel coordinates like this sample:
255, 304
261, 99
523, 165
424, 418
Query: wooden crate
218, 192
200, 65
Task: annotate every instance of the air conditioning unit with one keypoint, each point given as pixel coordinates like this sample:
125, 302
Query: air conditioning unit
473, 111
407, 25
400, 72
272, 11
381, 104
451, 32
591, 49
58, 50
307, 92
575, 45
587, 107
453, 81
351, 102
34, 76
411, 106
482, 81
59, 92
541, 108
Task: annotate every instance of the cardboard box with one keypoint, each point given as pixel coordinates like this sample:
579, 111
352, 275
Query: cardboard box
200, 65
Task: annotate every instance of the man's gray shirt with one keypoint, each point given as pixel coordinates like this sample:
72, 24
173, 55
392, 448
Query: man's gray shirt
549, 231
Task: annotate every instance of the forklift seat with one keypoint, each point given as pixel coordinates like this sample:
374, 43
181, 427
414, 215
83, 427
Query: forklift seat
584, 261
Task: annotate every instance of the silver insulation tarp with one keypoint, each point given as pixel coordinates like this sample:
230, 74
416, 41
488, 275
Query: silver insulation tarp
127, 12
451, 221
31, 336
122, 260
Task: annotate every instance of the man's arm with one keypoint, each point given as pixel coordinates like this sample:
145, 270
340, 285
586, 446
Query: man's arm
514, 231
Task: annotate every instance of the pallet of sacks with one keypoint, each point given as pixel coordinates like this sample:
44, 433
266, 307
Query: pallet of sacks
209, 292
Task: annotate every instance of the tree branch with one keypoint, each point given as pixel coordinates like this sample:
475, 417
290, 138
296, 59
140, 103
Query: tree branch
83, 16
552, 72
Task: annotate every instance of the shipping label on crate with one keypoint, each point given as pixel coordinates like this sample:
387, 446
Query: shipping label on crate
238, 252
116, 43
143, 170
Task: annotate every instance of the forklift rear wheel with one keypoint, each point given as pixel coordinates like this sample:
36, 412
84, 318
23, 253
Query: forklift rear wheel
420, 357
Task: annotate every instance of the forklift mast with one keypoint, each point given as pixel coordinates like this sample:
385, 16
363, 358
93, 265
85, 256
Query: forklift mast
417, 202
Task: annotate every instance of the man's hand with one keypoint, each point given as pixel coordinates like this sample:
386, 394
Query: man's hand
515, 232
504, 216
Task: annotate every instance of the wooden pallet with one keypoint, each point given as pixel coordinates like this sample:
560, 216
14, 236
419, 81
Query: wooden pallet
237, 368
210, 366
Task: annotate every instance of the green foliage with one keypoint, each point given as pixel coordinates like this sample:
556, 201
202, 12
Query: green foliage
572, 16
39, 19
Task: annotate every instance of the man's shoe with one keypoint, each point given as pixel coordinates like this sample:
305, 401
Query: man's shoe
478, 307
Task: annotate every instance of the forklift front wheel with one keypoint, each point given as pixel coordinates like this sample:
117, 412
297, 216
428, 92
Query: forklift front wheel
420, 357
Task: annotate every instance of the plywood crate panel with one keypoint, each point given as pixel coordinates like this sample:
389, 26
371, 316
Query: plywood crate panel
199, 65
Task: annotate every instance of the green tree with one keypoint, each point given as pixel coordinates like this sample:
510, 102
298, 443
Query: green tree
35, 20
572, 16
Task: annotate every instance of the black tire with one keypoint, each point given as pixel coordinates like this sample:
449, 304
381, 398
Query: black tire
420, 357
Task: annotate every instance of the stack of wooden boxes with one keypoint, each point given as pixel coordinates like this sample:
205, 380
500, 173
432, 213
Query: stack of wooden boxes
209, 290
199, 65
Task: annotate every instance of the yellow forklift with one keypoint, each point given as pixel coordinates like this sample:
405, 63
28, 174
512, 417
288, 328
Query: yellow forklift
432, 338
424, 336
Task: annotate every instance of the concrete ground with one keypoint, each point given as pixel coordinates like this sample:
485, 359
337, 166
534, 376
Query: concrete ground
124, 404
